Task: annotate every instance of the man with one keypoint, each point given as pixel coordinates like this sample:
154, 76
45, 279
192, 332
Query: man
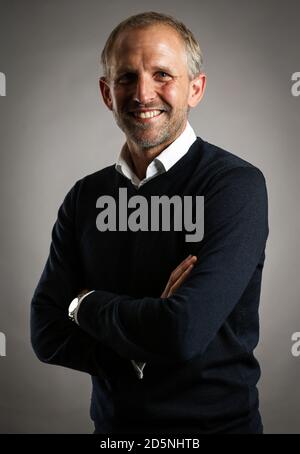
168, 352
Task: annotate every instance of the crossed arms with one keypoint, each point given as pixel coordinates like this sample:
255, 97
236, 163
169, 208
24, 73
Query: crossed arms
175, 327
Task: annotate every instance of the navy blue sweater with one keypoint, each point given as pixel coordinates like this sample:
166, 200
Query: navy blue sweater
201, 373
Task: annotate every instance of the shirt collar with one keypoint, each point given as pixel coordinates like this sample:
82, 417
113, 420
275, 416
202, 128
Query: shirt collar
170, 155
163, 162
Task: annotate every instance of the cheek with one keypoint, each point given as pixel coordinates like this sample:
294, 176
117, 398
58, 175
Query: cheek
174, 95
118, 99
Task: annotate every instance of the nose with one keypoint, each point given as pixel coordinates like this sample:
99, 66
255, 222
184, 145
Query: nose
144, 89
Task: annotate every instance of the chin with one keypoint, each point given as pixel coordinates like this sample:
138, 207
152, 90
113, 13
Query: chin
149, 142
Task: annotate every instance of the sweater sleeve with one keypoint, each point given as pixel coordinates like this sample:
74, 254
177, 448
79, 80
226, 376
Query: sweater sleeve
54, 337
182, 326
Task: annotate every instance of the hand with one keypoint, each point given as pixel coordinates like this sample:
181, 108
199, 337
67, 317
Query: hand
179, 275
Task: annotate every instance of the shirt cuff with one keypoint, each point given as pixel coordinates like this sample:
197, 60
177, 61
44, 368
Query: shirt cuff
139, 367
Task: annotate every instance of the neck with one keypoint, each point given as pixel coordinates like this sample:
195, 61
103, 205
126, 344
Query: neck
140, 158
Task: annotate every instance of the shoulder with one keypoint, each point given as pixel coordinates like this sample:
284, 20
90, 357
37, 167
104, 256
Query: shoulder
89, 185
95, 181
102, 175
218, 165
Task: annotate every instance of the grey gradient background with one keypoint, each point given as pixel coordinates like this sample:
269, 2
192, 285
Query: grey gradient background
54, 129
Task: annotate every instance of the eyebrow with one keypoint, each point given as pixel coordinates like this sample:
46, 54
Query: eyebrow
155, 68
166, 69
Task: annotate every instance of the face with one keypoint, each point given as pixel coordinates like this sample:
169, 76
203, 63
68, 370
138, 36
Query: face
149, 90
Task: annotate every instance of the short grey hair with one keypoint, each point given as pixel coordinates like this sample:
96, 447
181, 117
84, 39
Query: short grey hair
193, 51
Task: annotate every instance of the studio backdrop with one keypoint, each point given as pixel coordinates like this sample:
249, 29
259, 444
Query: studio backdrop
55, 129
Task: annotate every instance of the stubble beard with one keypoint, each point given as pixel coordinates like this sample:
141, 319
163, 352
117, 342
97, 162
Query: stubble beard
164, 133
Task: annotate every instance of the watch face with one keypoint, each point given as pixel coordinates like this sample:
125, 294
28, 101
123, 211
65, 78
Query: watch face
73, 305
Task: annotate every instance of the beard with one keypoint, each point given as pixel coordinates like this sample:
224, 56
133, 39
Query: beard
149, 136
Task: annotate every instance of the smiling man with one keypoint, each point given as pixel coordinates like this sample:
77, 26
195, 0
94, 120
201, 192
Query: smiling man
150, 88
165, 327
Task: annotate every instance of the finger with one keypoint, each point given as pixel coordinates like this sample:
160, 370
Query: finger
181, 279
175, 275
181, 263
183, 276
183, 267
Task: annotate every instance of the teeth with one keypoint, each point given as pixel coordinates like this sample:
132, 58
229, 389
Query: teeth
149, 114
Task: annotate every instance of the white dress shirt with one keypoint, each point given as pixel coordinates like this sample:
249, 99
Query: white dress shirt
162, 163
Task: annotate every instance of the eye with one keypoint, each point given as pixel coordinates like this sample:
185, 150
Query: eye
126, 78
162, 75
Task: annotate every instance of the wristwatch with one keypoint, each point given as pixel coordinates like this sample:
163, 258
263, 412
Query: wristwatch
74, 306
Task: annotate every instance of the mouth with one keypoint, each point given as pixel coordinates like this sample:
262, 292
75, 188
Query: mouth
146, 115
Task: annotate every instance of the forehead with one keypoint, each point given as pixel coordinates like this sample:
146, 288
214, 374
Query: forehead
150, 44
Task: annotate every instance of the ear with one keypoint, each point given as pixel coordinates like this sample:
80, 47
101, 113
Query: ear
105, 91
197, 88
